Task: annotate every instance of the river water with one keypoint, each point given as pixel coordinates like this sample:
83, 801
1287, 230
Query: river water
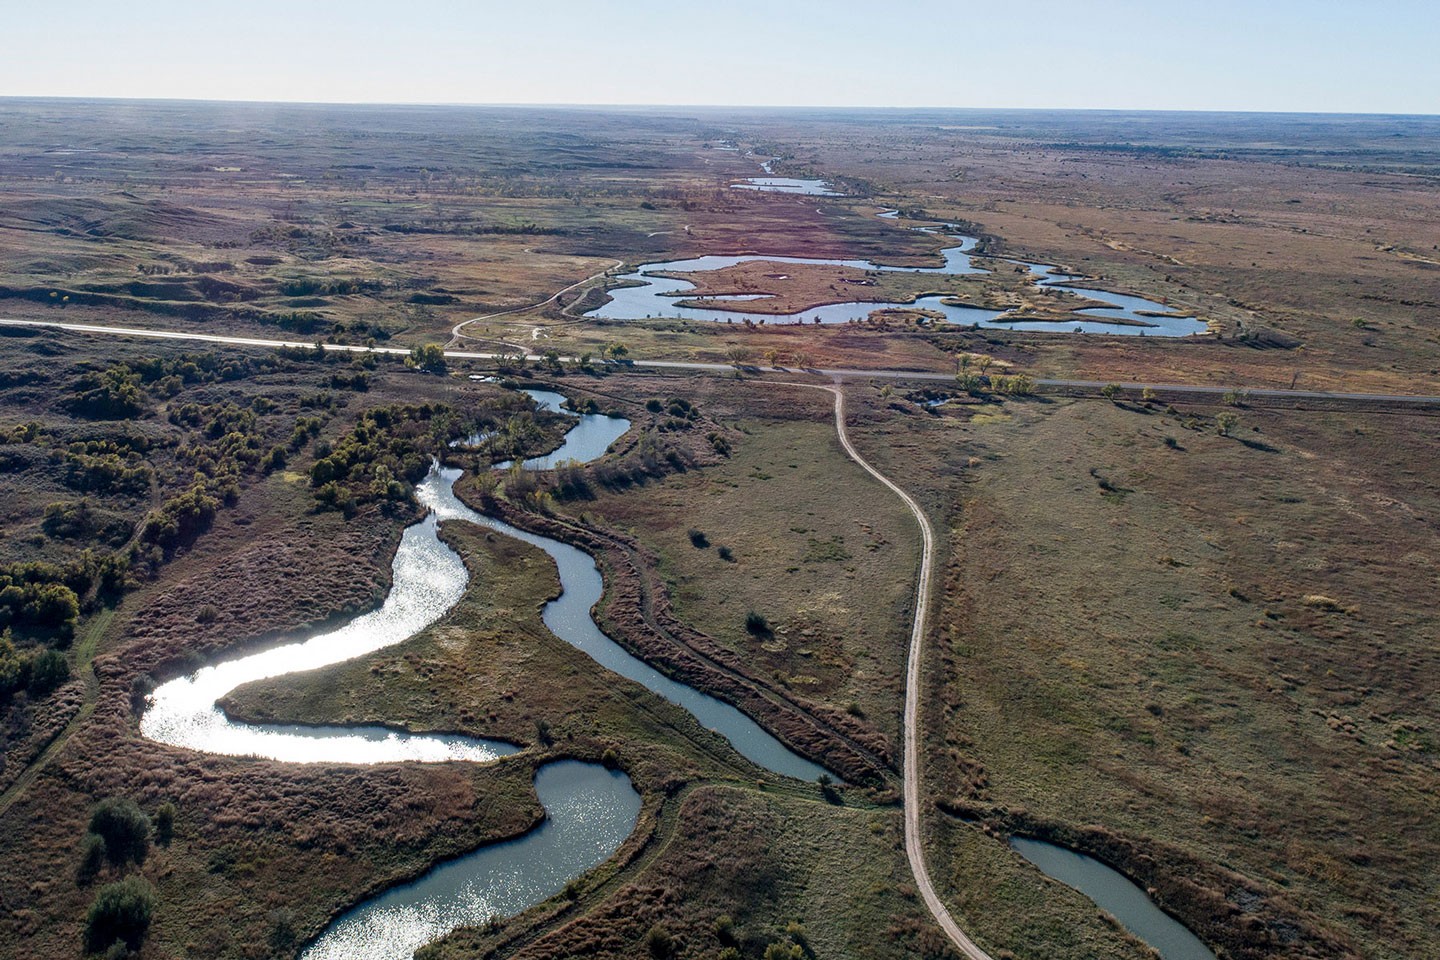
589, 810
1113, 892
651, 296
587, 440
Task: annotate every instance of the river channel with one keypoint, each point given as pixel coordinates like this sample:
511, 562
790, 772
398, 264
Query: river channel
1113, 892
650, 296
589, 810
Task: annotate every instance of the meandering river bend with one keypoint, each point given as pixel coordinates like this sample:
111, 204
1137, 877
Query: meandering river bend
589, 810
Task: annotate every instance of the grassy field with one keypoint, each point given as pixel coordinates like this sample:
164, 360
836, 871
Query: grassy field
788, 528
1212, 644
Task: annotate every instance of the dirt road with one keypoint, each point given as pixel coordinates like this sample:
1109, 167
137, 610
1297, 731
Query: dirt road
914, 847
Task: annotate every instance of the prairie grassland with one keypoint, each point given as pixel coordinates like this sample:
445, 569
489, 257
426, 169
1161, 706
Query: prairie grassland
788, 528
1215, 645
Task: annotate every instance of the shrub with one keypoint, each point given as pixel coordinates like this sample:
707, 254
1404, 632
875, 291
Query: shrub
780, 950
726, 554
48, 670
92, 858
659, 942
697, 538
125, 829
756, 625
121, 911
165, 823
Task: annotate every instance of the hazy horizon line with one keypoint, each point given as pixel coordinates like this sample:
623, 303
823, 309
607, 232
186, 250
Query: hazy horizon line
708, 106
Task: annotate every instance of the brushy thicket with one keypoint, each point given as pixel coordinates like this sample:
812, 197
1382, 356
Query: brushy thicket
388, 451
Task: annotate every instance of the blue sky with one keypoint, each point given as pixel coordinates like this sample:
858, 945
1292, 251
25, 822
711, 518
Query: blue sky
1320, 55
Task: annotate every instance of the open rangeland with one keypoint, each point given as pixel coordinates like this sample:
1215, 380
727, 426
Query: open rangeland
1193, 637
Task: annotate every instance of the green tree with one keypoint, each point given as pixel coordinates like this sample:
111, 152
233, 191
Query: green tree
429, 357
121, 911
1225, 422
125, 829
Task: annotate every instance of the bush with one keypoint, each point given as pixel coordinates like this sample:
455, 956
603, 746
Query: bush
121, 911
48, 670
780, 950
756, 625
92, 858
165, 823
125, 829
659, 942
697, 539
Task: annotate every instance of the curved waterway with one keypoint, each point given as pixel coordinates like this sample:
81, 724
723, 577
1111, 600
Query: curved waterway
427, 579
652, 296
1114, 893
587, 440
589, 810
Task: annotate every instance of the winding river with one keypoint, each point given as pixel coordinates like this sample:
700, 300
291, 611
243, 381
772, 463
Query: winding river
587, 440
589, 810
650, 295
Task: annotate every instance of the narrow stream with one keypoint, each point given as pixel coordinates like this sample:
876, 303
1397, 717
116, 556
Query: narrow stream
1113, 892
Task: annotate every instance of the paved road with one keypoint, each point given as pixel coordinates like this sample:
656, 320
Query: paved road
840, 373
914, 847
457, 332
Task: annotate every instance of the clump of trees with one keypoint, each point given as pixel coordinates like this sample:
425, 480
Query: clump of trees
35, 598
389, 449
110, 394
428, 357
37, 672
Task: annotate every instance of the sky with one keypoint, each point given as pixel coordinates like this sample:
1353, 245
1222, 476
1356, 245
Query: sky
1361, 56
